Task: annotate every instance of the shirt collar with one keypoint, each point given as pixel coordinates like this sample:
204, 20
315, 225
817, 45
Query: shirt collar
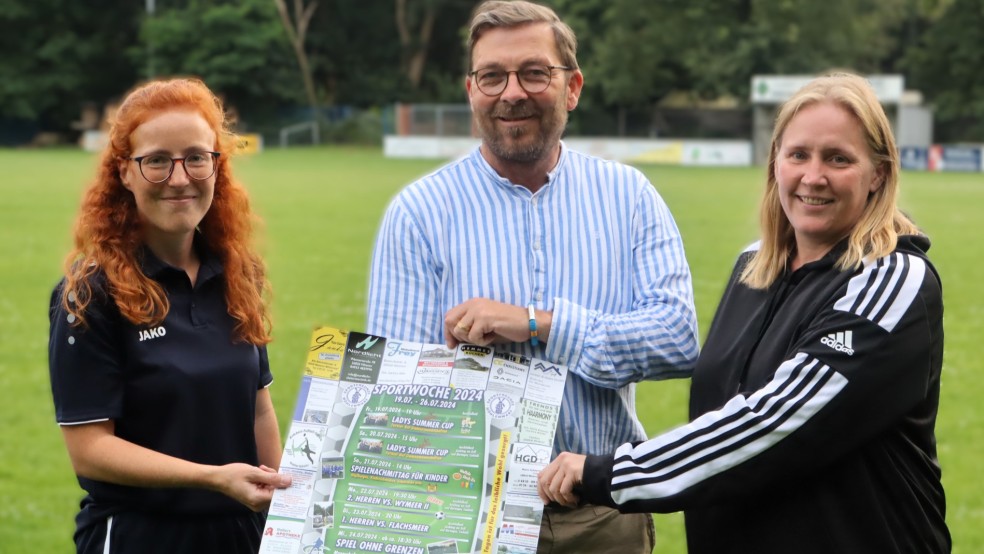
826, 261
483, 164
154, 267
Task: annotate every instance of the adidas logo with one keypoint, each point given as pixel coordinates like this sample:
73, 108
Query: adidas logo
841, 342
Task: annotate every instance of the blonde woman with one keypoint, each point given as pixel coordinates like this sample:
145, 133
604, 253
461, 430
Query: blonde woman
814, 399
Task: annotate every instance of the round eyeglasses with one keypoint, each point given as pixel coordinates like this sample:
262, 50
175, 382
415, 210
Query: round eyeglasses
158, 168
493, 81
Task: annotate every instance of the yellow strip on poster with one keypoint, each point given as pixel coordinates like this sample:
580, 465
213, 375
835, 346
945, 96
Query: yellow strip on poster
495, 500
324, 359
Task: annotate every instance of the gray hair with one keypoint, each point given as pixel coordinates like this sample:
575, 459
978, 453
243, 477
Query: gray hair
502, 13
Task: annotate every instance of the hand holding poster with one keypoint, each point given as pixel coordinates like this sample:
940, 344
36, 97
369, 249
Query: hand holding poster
413, 448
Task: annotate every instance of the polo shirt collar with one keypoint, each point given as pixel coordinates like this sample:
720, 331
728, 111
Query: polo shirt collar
154, 267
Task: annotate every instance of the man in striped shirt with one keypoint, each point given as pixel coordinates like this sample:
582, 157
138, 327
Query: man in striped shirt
525, 233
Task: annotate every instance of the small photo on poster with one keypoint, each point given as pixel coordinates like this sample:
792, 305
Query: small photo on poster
332, 467
316, 416
323, 515
373, 446
376, 419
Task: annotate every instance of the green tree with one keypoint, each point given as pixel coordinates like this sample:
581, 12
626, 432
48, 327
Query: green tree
239, 48
946, 65
415, 26
640, 51
805, 36
360, 60
296, 23
58, 56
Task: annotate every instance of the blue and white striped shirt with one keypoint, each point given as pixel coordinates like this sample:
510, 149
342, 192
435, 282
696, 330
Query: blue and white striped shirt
596, 245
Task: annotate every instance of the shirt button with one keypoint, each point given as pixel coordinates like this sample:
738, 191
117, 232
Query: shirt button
539, 296
536, 246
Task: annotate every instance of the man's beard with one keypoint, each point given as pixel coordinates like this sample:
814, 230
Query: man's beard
498, 141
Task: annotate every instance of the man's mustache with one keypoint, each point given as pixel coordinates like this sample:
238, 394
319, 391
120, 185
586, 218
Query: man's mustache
515, 111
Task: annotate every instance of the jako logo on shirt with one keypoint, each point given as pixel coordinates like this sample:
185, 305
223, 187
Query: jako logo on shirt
152, 333
841, 342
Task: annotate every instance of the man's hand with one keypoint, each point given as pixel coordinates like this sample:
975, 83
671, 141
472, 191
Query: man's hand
483, 321
557, 481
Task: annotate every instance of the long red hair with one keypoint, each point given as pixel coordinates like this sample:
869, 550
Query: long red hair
107, 232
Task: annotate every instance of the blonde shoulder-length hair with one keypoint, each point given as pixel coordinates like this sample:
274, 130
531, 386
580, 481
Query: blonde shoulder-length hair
876, 232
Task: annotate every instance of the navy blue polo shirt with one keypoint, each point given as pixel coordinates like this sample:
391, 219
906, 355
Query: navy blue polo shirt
185, 387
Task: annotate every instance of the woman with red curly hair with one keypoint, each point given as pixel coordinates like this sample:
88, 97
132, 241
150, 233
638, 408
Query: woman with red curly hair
157, 350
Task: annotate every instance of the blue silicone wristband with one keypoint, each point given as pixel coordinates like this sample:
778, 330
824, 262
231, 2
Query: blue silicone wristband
534, 340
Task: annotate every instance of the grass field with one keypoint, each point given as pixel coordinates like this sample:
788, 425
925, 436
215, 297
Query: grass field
321, 208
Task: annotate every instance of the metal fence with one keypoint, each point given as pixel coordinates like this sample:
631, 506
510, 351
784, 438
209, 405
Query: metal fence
440, 120
455, 120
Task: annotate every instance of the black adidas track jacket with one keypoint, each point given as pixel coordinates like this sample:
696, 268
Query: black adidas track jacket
813, 406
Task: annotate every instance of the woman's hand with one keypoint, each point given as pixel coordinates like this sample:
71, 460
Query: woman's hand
97, 453
250, 486
557, 481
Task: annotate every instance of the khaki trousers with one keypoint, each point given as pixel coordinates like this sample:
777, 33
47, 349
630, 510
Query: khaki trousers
595, 530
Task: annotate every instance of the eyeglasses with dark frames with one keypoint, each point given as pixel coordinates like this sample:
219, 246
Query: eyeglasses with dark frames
492, 81
158, 168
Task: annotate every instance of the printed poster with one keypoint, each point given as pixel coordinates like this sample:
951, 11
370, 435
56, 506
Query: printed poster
410, 448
